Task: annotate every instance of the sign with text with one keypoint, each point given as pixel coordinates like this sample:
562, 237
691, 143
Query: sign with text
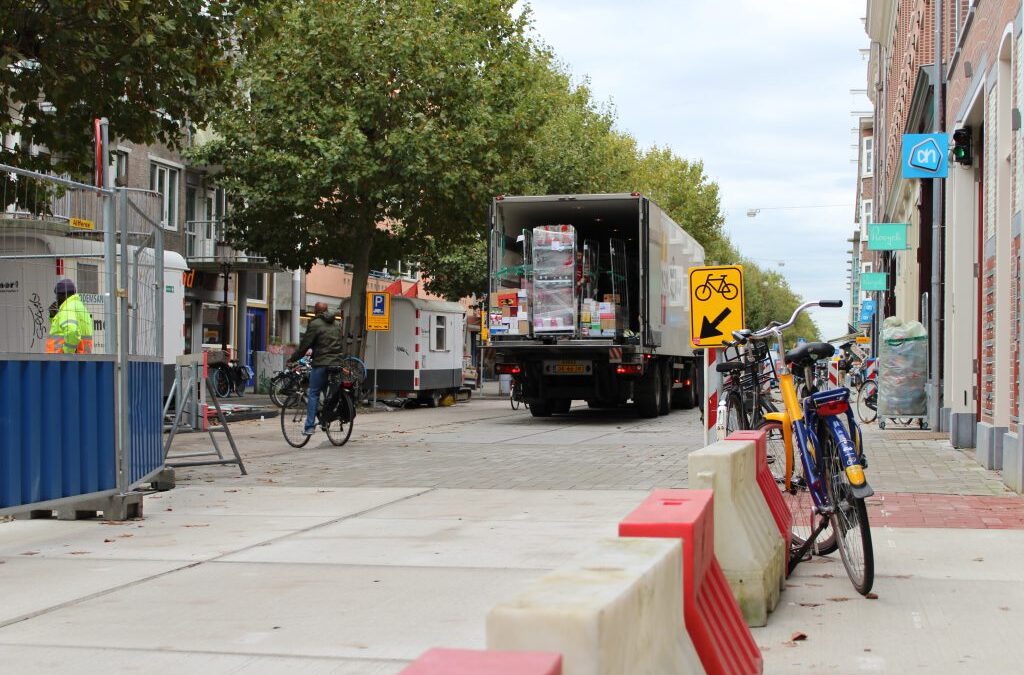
867, 310
925, 155
716, 304
874, 281
378, 311
887, 237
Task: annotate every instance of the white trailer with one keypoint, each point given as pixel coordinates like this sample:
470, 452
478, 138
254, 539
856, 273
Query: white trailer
420, 358
31, 264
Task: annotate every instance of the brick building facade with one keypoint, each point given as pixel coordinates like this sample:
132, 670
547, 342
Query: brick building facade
982, 54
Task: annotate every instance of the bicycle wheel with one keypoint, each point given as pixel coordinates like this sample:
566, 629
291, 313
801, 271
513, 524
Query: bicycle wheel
221, 384
850, 520
355, 370
800, 502
339, 431
513, 401
776, 451
735, 419
867, 401
293, 420
281, 387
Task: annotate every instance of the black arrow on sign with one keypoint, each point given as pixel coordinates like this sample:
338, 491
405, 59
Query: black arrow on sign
709, 329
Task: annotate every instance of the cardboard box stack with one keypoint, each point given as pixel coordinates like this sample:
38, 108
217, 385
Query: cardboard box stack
511, 315
602, 319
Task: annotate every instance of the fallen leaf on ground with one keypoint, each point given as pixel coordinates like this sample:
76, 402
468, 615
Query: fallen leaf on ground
871, 596
125, 535
30, 553
839, 598
108, 541
798, 636
826, 575
231, 490
810, 604
978, 559
197, 524
79, 552
1005, 609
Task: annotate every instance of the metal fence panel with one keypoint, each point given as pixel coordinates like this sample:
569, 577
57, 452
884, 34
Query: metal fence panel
57, 428
145, 391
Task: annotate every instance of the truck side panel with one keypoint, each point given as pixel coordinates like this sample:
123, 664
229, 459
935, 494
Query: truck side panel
670, 254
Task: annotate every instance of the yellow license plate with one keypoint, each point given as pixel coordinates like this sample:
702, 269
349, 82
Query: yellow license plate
570, 369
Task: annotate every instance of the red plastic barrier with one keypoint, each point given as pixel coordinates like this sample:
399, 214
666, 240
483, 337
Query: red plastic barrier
713, 618
477, 662
766, 481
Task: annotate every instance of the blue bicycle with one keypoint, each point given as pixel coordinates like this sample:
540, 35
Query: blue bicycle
828, 488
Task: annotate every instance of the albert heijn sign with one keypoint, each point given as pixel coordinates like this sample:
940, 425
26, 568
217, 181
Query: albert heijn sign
925, 156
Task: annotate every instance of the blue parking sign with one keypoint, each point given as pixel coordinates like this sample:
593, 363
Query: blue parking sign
378, 304
925, 155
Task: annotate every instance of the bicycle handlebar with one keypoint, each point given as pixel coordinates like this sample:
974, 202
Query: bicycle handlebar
776, 328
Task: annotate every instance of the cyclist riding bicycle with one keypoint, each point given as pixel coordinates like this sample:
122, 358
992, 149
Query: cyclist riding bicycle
324, 336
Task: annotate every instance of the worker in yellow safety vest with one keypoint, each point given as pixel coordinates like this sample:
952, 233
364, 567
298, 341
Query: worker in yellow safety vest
71, 326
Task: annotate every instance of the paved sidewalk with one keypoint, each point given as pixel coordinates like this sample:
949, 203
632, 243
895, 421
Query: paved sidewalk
355, 560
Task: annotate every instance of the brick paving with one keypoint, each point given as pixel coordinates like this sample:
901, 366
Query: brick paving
907, 509
920, 480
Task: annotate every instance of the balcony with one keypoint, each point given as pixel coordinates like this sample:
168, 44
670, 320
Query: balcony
202, 252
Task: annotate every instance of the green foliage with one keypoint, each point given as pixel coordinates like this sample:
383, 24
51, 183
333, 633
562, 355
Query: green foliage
769, 298
359, 113
456, 271
685, 192
152, 68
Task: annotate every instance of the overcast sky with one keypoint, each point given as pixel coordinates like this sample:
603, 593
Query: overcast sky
760, 92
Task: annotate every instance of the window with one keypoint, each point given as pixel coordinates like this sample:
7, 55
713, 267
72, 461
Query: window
164, 179
866, 212
439, 334
867, 156
190, 224
120, 168
258, 287
88, 278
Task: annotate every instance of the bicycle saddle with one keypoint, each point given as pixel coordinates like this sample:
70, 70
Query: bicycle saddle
729, 366
806, 354
742, 335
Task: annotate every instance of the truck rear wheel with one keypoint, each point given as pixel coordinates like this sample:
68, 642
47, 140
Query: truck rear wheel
649, 392
540, 408
665, 404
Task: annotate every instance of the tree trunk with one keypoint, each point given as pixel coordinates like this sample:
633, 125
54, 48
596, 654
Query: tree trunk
355, 318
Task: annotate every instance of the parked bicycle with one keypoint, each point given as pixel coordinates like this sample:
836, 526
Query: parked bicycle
746, 395
336, 410
294, 378
515, 395
230, 377
831, 489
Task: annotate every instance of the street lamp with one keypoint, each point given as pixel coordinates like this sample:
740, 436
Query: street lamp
224, 255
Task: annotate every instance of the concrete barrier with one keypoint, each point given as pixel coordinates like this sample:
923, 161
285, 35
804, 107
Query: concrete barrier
616, 609
781, 514
713, 619
478, 662
750, 549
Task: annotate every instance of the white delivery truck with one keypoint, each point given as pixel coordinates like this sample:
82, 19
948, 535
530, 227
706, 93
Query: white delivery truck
420, 359
32, 262
589, 300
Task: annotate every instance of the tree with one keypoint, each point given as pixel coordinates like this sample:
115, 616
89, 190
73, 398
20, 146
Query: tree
358, 114
152, 68
457, 271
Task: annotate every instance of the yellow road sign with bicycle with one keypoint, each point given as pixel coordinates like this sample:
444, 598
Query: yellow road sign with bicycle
716, 304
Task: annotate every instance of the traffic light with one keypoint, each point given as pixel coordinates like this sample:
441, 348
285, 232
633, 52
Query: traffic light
962, 146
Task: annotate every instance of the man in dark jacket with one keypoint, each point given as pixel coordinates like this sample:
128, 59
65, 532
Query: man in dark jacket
324, 336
